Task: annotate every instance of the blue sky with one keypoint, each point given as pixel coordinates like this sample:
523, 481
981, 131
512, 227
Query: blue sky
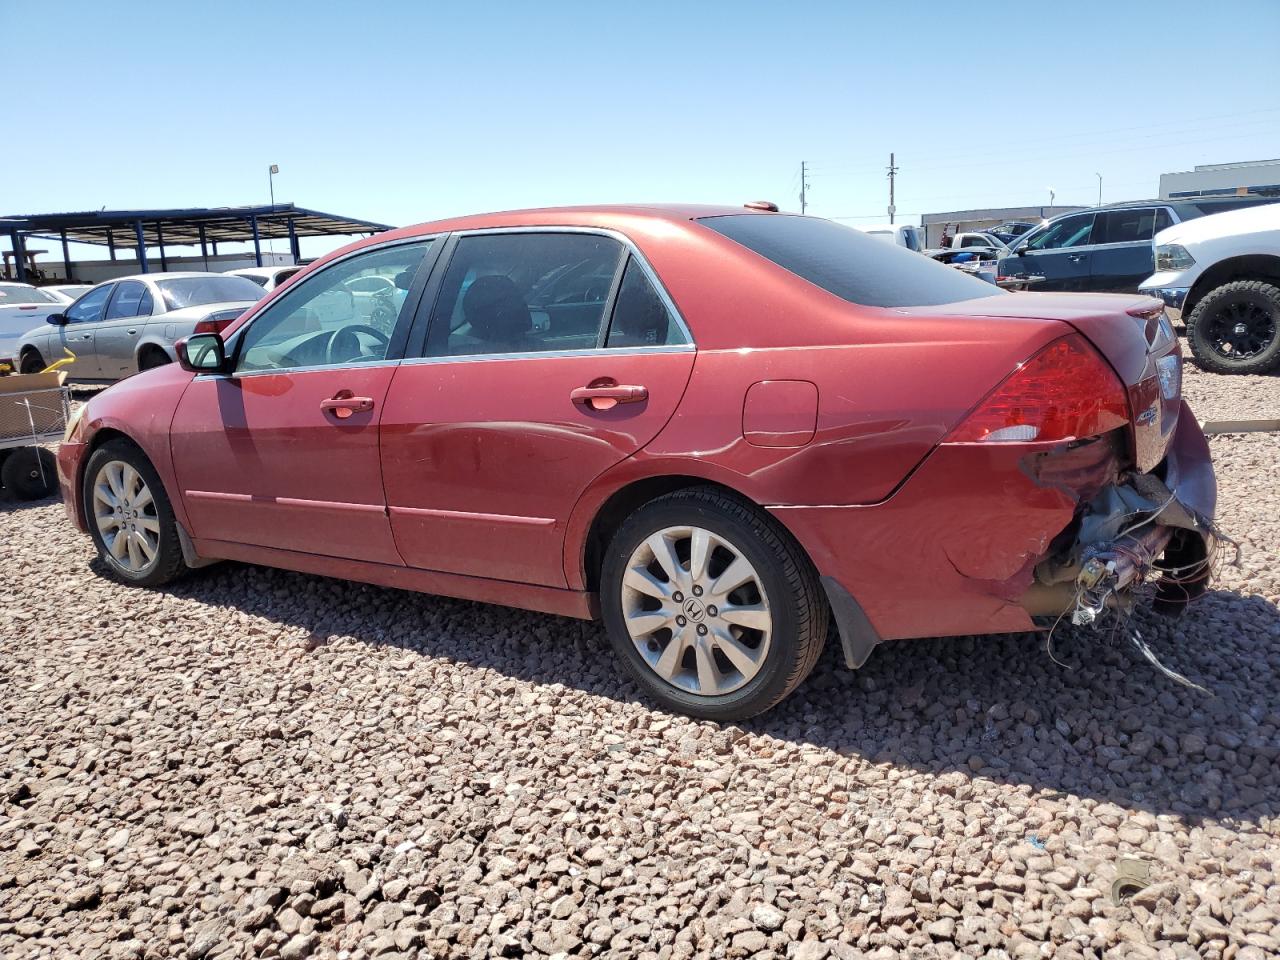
404, 112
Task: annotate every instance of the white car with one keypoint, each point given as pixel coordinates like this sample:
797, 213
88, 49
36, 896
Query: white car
268, 278
67, 292
901, 234
21, 305
1220, 275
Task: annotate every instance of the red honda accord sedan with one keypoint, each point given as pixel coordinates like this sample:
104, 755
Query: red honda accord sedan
721, 429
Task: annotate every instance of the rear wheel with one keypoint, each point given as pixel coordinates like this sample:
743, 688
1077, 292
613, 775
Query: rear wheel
1236, 328
29, 473
31, 362
714, 610
152, 358
129, 516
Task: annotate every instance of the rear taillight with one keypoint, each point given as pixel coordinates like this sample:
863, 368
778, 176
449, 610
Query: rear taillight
1065, 392
213, 325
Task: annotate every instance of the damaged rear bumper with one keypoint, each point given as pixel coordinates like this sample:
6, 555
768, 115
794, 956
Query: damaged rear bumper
990, 538
1145, 528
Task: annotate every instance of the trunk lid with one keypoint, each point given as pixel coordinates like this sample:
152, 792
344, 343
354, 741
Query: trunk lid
1130, 333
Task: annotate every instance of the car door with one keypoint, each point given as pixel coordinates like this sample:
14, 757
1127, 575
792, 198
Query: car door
519, 396
78, 335
282, 451
1122, 256
121, 327
1059, 252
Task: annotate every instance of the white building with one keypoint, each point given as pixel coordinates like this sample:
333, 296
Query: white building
1258, 177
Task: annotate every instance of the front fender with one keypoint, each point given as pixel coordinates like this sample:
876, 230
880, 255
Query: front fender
142, 408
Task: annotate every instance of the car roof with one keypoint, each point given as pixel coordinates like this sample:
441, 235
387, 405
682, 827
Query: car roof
261, 271
167, 275
602, 215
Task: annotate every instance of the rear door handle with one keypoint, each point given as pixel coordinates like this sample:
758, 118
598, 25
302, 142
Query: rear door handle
1078, 257
344, 403
606, 394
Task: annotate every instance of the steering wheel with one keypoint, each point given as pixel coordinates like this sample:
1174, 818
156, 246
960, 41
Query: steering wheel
338, 349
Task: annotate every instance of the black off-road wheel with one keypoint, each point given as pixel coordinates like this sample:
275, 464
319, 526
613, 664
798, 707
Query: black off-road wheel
1236, 328
29, 473
711, 605
129, 516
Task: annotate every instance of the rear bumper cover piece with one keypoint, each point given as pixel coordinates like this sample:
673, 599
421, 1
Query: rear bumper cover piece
982, 537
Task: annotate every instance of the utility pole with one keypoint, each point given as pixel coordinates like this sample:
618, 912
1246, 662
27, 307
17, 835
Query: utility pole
893, 170
804, 185
1099, 176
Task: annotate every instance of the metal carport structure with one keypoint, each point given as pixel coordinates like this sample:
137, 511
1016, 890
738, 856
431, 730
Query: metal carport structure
205, 228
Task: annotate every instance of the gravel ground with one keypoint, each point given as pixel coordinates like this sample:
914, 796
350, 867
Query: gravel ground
262, 763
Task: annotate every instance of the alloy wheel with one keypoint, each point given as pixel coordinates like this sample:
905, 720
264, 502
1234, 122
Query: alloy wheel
1241, 329
125, 513
696, 610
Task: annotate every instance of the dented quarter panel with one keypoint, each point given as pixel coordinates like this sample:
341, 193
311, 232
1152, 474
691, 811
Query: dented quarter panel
971, 523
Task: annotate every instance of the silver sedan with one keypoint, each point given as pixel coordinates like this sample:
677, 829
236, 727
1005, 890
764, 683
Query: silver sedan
123, 326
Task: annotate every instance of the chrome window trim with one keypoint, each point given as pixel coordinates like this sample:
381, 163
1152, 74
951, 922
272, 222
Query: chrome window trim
553, 354
313, 368
628, 247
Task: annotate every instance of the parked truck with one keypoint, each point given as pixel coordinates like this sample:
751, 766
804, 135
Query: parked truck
1221, 276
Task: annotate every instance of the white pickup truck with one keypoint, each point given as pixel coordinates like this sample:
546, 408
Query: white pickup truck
1220, 275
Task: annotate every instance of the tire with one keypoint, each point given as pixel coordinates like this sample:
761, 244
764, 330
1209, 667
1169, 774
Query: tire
769, 661
31, 362
30, 473
151, 517
1235, 328
152, 359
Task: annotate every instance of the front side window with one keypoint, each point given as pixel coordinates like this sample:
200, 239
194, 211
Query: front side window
640, 317
89, 307
127, 300
198, 291
853, 265
345, 313
1067, 232
524, 293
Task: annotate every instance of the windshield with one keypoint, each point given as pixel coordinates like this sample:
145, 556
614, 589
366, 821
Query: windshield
22, 294
196, 291
853, 265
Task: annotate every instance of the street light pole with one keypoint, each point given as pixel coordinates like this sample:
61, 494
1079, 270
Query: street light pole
271, 186
1099, 176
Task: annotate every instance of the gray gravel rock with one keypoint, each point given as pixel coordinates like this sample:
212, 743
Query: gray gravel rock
254, 762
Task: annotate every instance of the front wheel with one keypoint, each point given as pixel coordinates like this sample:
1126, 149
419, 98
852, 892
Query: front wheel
31, 362
1236, 328
712, 607
129, 516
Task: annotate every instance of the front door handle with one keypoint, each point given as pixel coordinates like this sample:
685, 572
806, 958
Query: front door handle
1077, 257
344, 403
606, 394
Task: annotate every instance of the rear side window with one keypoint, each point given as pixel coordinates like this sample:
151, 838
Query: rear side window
126, 301
1134, 225
640, 317
853, 265
524, 293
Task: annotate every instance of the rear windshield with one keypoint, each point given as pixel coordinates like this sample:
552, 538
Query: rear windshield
851, 264
19, 294
196, 291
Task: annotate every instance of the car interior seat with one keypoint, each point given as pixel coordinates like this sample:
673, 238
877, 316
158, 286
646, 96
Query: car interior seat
497, 313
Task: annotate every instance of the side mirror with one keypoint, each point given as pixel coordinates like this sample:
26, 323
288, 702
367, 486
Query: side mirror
201, 353
57, 319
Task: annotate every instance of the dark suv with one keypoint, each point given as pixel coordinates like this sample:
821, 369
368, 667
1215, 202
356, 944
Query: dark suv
1106, 249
